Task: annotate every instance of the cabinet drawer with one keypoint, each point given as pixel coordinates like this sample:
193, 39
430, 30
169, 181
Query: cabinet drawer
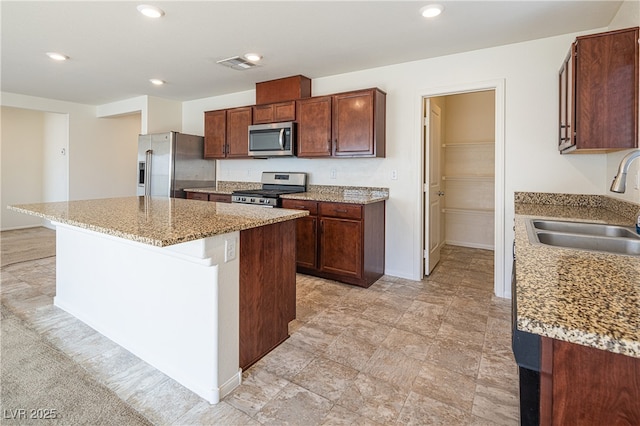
349, 211
202, 196
220, 198
310, 206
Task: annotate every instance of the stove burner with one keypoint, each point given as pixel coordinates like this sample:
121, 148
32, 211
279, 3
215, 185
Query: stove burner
273, 185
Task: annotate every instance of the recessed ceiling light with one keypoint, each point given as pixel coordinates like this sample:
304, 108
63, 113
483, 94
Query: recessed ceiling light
57, 56
255, 57
150, 11
157, 81
431, 10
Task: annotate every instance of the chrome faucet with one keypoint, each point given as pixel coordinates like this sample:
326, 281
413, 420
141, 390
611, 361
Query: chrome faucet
619, 181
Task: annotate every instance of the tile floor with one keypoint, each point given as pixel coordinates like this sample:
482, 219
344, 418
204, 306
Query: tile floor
435, 351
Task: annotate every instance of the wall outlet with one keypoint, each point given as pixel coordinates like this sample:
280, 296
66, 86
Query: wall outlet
394, 175
333, 173
229, 250
637, 182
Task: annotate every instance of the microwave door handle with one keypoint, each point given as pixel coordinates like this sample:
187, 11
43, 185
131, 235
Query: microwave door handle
281, 139
147, 173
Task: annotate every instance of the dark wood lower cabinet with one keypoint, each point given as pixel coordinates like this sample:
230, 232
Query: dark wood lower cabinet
580, 385
340, 241
267, 288
209, 196
202, 196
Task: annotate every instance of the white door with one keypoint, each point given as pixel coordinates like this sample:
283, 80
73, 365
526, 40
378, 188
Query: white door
433, 187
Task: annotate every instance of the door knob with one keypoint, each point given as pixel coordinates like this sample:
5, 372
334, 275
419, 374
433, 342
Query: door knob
440, 193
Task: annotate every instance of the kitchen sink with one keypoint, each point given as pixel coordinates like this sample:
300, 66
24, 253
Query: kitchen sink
583, 228
585, 236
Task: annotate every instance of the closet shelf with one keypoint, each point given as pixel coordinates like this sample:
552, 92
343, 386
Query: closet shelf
470, 178
468, 144
481, 212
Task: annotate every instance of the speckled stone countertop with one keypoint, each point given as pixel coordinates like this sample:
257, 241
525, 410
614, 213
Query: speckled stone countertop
341, 194
158, 221
578, 296
335, 194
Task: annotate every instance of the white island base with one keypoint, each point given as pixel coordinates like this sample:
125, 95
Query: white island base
174, 307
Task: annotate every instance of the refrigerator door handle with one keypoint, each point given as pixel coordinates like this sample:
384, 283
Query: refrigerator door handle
147, 173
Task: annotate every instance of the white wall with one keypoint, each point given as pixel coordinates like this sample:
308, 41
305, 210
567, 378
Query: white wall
22, 164
532, 160
628, 16
55, 166
100, 152
110, 157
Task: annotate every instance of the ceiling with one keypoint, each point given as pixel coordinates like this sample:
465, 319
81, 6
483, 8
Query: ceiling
114, 50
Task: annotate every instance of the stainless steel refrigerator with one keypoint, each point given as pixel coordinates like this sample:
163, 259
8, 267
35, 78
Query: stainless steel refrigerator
170, 162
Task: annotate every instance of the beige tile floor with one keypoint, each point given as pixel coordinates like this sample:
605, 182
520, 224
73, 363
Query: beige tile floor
435, 351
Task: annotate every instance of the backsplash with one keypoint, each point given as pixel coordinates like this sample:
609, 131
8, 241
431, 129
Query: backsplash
623, 208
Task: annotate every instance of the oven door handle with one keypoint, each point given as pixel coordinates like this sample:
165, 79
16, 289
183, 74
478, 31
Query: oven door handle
281, 139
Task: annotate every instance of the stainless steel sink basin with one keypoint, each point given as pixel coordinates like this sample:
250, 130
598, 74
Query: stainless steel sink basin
584, 228
585, 236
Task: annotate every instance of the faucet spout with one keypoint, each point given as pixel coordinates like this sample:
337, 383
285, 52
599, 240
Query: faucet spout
620, 180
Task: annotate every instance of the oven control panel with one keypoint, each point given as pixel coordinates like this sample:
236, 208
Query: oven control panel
260, 201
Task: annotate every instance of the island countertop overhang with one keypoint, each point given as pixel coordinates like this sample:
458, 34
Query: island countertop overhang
158, 221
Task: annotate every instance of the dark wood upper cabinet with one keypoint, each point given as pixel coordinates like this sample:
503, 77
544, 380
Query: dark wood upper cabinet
238, 122
226, 133
359, 124
274, 113
350, 124
215, 134
314, 127
598, 85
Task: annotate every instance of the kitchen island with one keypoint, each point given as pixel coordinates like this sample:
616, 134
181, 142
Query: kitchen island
584, 306
197, 289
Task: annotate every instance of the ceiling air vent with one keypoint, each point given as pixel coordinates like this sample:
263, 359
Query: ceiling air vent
237, 63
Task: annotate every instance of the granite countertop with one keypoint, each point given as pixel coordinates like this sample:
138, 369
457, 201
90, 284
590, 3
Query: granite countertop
210, 190
335, 194
158, 221
578, 296
352, 197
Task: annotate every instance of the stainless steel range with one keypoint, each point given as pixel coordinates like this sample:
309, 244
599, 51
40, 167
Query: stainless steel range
274, 184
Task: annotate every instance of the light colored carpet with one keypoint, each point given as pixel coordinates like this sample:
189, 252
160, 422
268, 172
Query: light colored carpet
41, 385
21, 245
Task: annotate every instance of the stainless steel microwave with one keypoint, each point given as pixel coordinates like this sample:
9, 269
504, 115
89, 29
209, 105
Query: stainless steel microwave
272, 140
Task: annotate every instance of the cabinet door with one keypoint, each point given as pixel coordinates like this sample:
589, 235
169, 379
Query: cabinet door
238, 122
306, 233
215, 134
567, 104
353, 123
263, 114
606, 90
341, 246
307, 242
284, 111
314, 127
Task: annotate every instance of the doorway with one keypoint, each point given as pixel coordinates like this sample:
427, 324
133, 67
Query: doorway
463, 174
